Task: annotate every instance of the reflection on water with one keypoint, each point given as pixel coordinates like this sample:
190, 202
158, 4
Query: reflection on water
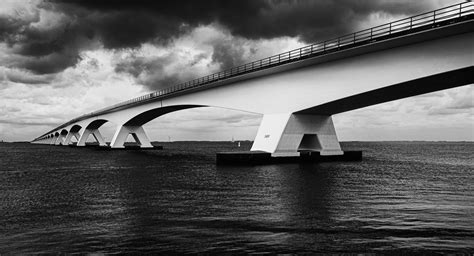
402, 197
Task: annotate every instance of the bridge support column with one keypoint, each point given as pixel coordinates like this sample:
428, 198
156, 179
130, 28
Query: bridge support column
60, 140
69, 137
85, 135
289, 134
138, 133
53, 140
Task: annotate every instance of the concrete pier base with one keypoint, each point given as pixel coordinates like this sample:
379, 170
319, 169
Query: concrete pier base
137, 132
287, 134
85, 134
262, 158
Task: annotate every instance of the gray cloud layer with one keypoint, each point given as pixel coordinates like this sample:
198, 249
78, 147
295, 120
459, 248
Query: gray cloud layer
123, 24
145, 20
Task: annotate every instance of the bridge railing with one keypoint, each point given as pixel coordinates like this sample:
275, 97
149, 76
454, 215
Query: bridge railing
440, 17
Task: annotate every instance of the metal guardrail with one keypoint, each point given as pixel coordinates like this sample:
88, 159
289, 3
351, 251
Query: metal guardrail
440, 17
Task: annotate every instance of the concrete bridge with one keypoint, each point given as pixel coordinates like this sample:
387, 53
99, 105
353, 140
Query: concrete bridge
297, 92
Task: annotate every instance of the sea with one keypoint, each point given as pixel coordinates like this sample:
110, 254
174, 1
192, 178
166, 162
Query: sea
403, 197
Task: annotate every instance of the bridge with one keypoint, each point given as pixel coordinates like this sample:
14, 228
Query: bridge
297, 92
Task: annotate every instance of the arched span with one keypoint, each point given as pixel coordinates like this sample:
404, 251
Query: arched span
75, 128
151, 114
64, 132
56, 134
96, 124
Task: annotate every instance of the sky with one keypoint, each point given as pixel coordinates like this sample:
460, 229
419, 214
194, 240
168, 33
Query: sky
61, 59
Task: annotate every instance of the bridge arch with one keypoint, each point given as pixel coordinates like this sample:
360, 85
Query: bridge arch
73, 133
134, 125
96, 124
151, 114
91, 129
75, 128
57, 138
53, 138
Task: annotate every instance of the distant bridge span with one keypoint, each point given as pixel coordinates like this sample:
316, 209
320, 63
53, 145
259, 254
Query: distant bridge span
297, 92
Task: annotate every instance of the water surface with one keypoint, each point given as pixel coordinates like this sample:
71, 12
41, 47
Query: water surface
403, 197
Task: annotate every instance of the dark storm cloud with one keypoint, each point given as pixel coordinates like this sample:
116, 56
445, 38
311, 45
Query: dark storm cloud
51, 63
152, 72
43, 50
227, 54
130, 23
149, 71
251, 19
10, 27
17, 76
127, 24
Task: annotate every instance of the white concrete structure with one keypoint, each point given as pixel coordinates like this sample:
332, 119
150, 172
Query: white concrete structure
85, 135
298, 98
73, 133
288, 134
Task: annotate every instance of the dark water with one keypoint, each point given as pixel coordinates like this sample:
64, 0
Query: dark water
403, 197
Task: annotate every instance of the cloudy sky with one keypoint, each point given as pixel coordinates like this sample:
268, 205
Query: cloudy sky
61, 59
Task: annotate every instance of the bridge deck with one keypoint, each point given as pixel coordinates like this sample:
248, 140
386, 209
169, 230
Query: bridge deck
438, 18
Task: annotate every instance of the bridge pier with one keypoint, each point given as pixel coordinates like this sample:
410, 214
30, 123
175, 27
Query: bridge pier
85, 135
69, 137
60, 140
286, 135
138, 133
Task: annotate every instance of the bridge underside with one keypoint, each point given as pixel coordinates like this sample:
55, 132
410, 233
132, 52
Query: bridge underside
134, 127
312, 129
407, 89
